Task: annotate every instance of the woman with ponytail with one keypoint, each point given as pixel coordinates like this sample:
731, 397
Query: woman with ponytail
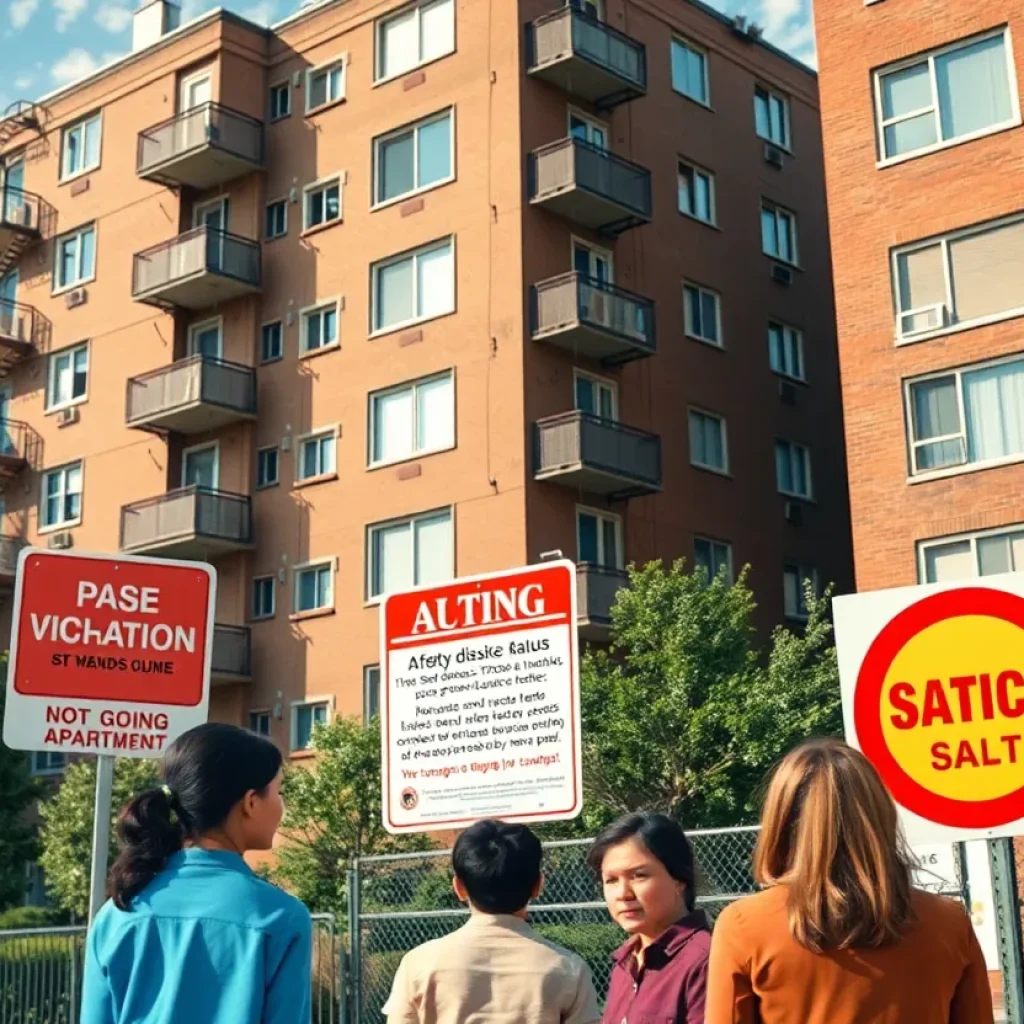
190, 934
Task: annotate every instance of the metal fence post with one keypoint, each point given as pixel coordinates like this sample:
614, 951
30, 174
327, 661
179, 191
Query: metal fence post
355, 962
1008, 926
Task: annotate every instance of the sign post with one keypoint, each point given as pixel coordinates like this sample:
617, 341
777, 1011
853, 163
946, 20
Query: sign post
480, 701
101, 833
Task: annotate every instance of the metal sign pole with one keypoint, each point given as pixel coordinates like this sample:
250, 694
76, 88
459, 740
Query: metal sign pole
1008, 926
101, 833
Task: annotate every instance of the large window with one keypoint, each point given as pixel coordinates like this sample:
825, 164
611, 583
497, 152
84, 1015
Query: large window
696, 193
67, 377
966, 277
317, 455
599, 538
708, 448
976, 554
325, 85
413, 158
796, 579
702, 314
690, 71
410, 552
793, 469
786, 350
771, 116
956, 93
305, 717
322, 203
714, 557
778, 233
415, 35
48, 762
414, 286
319, 327
371, 692
413, 419
968, 416
75, 258
62, 496
314, 587
80, 147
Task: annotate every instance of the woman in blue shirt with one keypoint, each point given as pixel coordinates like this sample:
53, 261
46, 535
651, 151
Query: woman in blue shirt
190, 934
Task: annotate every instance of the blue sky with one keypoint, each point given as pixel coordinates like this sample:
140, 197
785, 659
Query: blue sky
48, 43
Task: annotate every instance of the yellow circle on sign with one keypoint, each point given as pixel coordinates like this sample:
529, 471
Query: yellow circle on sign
951, 729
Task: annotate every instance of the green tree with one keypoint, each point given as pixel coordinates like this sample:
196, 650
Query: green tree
68, 816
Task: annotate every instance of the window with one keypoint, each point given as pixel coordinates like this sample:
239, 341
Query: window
793, 469
960, 92
414, 36
410, 552
708, 447
264, 600
267, 467
80, 147
259, 723
319, 328
316, 456
371, 692
415, 286
271, 342
702, 314
964, 278
414, 419
599, 538
75, 261
325, 84
696, 193
980, 554
48, 762
322, 204
778, 233
280, 101
795, 581
62, 496
277, 219
67, 377
596, 397
690, 71
967, 417
206, 339
771, 116
305, 717
588, 129
413, 159
713, 556
786, 350
314, 587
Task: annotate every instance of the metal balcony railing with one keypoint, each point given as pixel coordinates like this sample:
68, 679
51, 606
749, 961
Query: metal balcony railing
232, 651
596, 589
19, 443
19, 324
10, 549
221, 518
20, 210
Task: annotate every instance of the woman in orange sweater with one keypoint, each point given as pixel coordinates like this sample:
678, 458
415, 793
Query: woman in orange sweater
839, 935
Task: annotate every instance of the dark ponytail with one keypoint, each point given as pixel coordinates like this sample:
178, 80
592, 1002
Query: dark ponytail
206, 772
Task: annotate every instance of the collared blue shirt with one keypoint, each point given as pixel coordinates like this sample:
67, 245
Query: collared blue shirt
206, 942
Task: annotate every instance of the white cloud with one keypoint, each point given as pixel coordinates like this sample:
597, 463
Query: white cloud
23, 82
75, 64
68, 12
787, 24
21, 12
113, 18
193, 8
261, 13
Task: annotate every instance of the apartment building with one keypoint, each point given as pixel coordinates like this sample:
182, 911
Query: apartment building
391, 293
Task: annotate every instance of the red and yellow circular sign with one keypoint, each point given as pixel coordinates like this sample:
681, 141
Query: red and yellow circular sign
939, 707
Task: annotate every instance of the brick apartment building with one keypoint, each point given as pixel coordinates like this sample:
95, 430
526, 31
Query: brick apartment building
390, 293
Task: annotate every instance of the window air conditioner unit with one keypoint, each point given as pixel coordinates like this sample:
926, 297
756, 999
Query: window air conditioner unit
773, 155
794, 513
60, 541
75, 298
787, 392
783, 275
67, 416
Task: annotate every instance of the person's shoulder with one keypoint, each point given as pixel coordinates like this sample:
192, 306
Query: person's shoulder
935, 911
274, 900
558, 955
757, 908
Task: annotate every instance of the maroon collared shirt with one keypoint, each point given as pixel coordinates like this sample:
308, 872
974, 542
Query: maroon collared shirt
669, 989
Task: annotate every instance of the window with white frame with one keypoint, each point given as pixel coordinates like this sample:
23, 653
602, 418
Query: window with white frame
280, 101
276, 220
62, 496
966, 277
319, 327
786, 350
413, 158
305, 718
771, 116
708, 446
962, 91
264, 597
413, 36
259, 723
80, 147
414, 286
271, 342
314, 587
702, 314
371, 692
599, 538
986, 553
48, 762
325, 84
596, 396
267, 467
322, 203
75, 258
796, 579
793, 469
690, 70
409, 552
966, 417
412, 419
696, 193
67, 377
317, 455
714, 557
778, 233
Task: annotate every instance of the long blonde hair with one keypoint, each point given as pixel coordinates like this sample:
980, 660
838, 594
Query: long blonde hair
830, 833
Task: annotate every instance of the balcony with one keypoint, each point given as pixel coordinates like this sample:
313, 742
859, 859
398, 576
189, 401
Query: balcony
584, 57
592, 318
21, 216
596, 455
596, 588
203, 147
193, 522
590, 186
10, 548
18, 445
192, 396
232, 654
20, 330
201, 268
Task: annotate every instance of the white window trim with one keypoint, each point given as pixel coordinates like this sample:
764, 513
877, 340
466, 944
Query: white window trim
283, 200
331, 430
701, 537
772, 322
340, 61
367, 669
972, 536
273, 359
416, 453
65, 524
338, 303
591, 121
51, 359
724, 470
706, 103
43, 773
375, 268
259, 713
777, 208
371, 530
800, 570
253, 617
194, 329
293, 719
611, 517
200, 210
787, 146
60, 289
321, 185
185, 84
191, 450
412, 126
929, 58
96, 116
712, 193
378, 26
576, 242
720, 343
795, 445
286, 84
273, 483
329, 562
604, 382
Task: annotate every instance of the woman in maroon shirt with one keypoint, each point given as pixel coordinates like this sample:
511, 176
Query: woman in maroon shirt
645, 864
